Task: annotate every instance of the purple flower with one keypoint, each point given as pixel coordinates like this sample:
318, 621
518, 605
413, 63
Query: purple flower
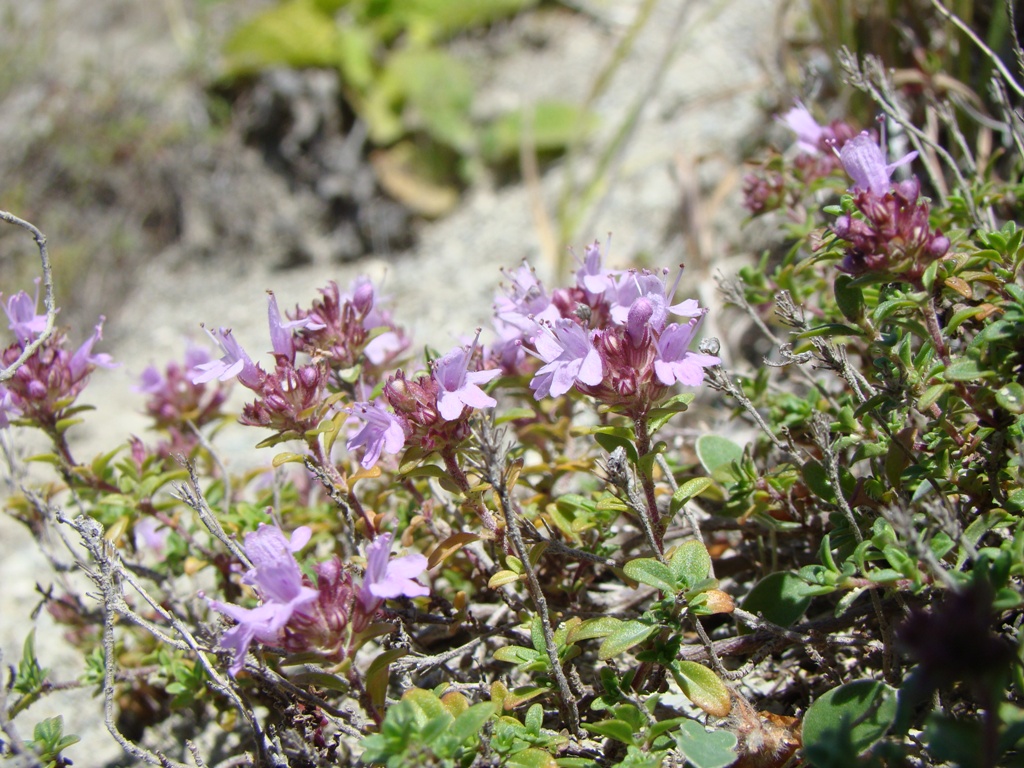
649, 286
518, 310
384, 347
458, 386
524, 302
675, 362
281, 339
591, 276
386, 579
276, 576
808, 132
570, 356
638, 322
382, 431
8, 408
151, 381
151, 534
25, 323
235, 362
864, 161
84, 358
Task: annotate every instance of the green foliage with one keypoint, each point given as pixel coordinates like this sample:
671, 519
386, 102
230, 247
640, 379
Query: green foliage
846, 721
413, 94
423, 729
703, 748
48, 741
30, 678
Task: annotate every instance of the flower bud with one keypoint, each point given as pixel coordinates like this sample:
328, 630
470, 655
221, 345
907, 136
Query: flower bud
909, 189
938, 245
841, 227
362, 298
639, 316
309, 376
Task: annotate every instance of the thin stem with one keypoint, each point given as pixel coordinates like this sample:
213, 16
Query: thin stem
455, 472
643, 447
48, 300
494, 467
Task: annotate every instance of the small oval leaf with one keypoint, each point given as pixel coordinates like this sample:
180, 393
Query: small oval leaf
703, 687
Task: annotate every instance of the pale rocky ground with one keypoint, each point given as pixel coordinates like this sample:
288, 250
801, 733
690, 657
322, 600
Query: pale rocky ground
676, 186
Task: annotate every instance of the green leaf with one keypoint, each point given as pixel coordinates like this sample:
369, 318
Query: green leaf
517, 654
690, 563
816, 478
591, 628
619, 730
439, 90
294, 34
716, 455
780, 597
1011, 397
534, 719
624, 637
425, 703
287, 458
651, 572
377, 674
610, 438
537, 635
691, 489
531, 758
849, 298
660, 416
703, 748
863, 711
470, 722
355, 58
931, 396
547, 127
959, 742
501, 578
829, 330
703, 687
966, 369
321, 680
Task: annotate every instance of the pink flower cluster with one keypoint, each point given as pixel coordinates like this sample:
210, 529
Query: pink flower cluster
297, 617
339, 333
893, 233
610, 336
46, 386
177, 404
815, 159
429, 411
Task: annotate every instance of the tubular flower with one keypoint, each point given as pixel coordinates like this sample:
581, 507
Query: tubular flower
386, 579
809, 134
892, 234
347, 329
864, 160
458, 387
234, 363
569, 356
21, 311
45, 387
381, 431
675, 362
277, 579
